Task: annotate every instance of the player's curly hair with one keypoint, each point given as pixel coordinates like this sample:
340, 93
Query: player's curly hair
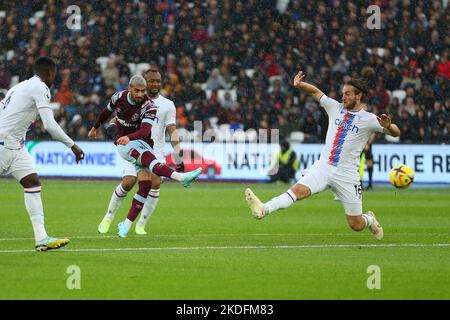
43, 64
360, 85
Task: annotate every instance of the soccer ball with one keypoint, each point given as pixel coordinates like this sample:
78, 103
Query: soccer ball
401, 176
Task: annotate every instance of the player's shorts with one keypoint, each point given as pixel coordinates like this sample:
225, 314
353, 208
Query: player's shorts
131, 165
129, 169
322, 176
16, 162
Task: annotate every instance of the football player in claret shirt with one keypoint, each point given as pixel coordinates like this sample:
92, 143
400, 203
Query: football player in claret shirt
349, 128
165, 123
135, 116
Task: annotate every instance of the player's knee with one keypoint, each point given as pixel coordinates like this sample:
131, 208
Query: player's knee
156, 182
301, 191
356, 224
30, 181
128, 183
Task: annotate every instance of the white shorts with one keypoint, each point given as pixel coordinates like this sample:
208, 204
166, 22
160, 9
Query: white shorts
130, 169
16, 162
348, 191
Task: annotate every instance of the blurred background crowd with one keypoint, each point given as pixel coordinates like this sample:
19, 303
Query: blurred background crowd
230, 64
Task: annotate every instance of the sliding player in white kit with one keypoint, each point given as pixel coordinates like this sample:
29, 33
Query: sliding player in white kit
18, 110
349, 128
166, 121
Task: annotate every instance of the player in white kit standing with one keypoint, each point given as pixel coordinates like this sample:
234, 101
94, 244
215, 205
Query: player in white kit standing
349, 128
165, 121
18, 110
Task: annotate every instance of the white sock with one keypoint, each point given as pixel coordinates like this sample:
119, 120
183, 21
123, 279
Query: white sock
149, 206
33, 203
128, 223
281, 202
178, 176
117, 199
368, 220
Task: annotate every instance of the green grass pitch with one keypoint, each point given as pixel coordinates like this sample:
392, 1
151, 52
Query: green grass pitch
204, 244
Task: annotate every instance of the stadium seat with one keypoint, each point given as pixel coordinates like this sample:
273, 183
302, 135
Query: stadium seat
9, 54
55, 105
400, 94
196, 135
213, 122
132, 67
39, 14
102, 61
239, 136
221, 95
14, 81
297, 136
225, 131
274, 78
250, 72
142, 67
185, 135
252, 135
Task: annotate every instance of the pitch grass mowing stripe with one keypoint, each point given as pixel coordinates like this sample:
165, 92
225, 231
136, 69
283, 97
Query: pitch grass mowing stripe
312, 246
234, 235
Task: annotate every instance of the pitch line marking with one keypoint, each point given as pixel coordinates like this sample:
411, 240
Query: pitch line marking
312, 246
233, 235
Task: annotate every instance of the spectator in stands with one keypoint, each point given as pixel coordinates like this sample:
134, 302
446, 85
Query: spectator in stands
5, 76
111, 74
237, 38
216, 81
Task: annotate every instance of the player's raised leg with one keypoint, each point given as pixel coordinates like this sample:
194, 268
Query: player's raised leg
149, 206
136, 207
366, 221
148, 160
117, 198
33, 204
314, 180
285, 200
350, 196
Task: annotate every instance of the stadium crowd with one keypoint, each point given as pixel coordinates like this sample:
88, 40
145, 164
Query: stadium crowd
233, 61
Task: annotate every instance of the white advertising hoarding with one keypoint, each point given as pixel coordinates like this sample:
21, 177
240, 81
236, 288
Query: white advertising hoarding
237, 161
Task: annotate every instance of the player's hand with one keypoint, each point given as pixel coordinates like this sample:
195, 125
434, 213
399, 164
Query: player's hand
298, 79
180, 167
79, 154
384, 121
92, 133
123, 140
111, 130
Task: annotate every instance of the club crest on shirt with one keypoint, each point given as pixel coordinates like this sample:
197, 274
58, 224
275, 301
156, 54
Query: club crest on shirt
135, 117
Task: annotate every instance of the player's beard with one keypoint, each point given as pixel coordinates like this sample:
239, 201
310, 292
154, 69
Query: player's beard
350, 105
137, 99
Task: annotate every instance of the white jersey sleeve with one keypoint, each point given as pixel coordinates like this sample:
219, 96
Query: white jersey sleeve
330, 105
374, 125
53, 127
41, 95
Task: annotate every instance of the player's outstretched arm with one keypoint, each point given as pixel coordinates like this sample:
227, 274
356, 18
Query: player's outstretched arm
102, 117
306, 87
389, 128
58, 133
